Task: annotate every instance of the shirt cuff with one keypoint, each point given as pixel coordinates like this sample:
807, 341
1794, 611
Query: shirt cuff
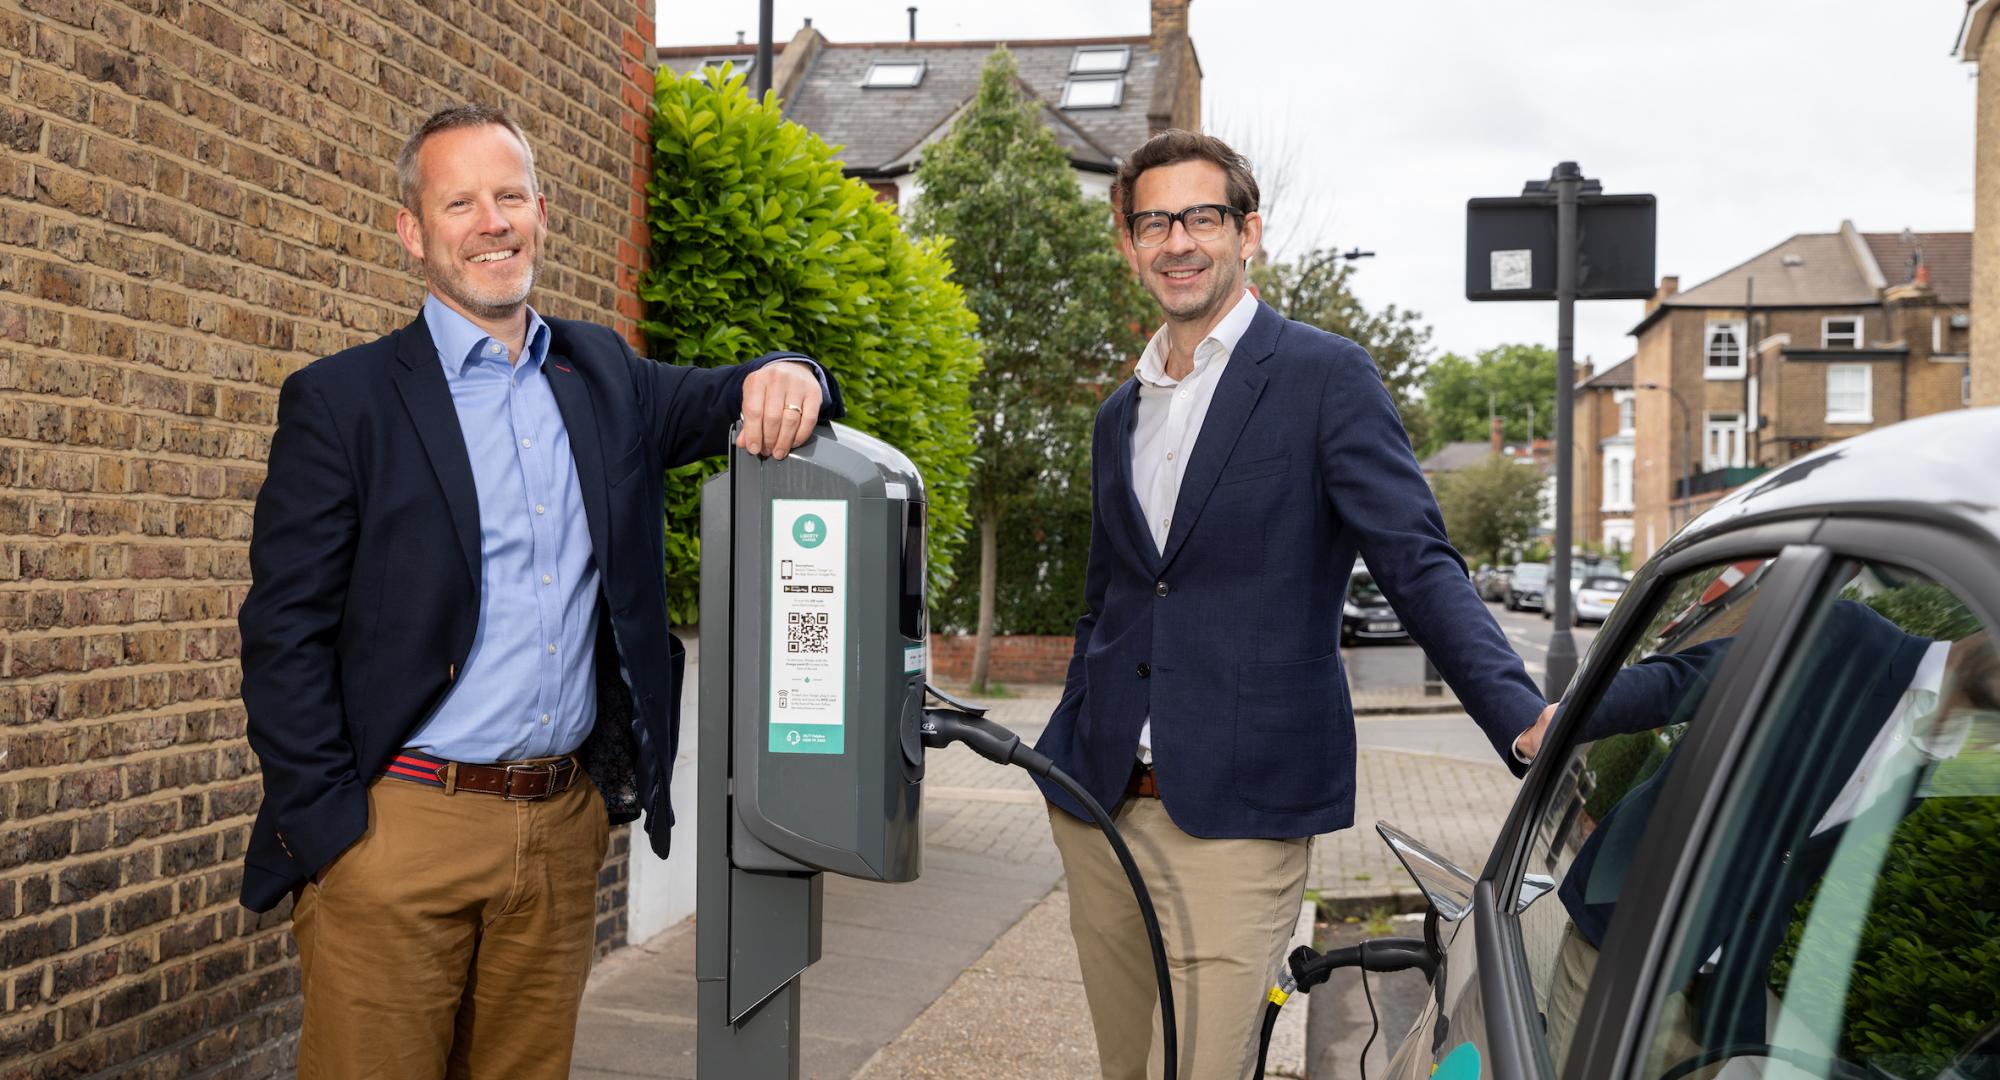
825, 391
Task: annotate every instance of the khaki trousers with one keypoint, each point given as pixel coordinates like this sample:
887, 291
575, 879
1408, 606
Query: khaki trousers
1227, 908
453, 939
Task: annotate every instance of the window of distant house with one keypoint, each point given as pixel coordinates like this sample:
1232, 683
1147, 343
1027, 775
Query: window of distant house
1093, 93
1624, 413
738, 65
1100, 60
1840, 333
892, 75
1724, 351
1965, 386
1848, 394
1937, 334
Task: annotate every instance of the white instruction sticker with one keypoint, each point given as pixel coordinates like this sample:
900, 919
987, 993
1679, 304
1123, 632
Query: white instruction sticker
1513, 269
808, 702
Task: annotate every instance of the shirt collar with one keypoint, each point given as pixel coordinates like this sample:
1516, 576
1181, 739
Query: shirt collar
1221, 341
459, 342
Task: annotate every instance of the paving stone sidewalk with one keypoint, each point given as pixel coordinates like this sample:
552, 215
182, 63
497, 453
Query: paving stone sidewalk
970, 971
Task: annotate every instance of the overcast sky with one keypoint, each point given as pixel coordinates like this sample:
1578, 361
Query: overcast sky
1751, 120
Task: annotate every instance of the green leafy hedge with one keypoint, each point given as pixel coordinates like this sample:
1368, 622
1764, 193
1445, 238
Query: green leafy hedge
759, 243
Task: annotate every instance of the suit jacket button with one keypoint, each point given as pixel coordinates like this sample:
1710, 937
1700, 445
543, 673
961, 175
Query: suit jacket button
1145, 669
1160, 589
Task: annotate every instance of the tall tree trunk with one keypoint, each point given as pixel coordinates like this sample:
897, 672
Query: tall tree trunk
989, 584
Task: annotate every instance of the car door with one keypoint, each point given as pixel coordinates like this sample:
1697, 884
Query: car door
1828, 901
1669, 667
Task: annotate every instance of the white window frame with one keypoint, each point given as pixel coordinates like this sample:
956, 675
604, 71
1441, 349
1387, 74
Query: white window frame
1865, 414
1937, 334
1741, 332
1070, 86
740, 65
879, 75
1730, 426
1851, 339
1100, 60
1627, 402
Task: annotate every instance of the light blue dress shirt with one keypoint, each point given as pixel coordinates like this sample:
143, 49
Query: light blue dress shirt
528, 689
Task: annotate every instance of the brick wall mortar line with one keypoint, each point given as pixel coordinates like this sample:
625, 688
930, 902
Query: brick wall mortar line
269, 116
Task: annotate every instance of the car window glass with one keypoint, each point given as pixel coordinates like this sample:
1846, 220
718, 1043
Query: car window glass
1587, 829
1847, 922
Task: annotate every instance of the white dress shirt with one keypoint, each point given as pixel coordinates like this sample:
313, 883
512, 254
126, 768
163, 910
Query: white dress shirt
1913, 738
1169, 422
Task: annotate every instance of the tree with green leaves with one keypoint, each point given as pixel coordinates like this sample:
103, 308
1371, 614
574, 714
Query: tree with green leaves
1058, 310
1490, 508
1314, 289
759, 243
1463, 395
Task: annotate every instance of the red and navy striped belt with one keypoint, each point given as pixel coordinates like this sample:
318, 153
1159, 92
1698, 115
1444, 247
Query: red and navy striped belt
520, 780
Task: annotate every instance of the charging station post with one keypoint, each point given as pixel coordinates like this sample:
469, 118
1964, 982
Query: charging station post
813, 632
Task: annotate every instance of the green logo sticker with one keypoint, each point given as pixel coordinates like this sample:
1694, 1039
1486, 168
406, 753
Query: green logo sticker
809, 531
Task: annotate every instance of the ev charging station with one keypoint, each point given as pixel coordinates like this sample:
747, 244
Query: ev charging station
813, 729
813, 633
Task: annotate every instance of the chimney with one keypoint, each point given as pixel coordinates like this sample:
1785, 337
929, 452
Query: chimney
913, 24
1497, 442
1170, 21
1669, 285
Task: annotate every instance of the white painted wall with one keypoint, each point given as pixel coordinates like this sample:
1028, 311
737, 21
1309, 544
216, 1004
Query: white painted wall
660, 893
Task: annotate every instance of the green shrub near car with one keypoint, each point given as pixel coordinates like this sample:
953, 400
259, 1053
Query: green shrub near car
759, 243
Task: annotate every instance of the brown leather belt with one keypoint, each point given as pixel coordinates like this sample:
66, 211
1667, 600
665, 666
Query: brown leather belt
1143, 783
519, 781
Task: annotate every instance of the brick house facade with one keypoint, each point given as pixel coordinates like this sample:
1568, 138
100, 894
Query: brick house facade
197, 198
1818, 339
1601, 502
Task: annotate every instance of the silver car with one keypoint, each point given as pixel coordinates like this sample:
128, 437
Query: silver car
1762, 838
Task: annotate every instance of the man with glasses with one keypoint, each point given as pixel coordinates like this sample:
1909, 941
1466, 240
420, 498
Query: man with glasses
1236, 476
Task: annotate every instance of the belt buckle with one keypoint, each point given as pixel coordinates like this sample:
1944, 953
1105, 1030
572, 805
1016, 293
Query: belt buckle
507, 792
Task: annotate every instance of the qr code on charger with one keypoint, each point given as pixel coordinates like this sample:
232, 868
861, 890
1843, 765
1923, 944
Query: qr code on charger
805, 632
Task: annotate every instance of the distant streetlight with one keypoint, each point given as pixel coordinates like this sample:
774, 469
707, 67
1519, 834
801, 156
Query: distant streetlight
1319, 264
1687, 447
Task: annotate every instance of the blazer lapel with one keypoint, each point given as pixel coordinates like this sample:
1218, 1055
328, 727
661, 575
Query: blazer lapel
585, 448
1235, 397
420, 379
1122, 502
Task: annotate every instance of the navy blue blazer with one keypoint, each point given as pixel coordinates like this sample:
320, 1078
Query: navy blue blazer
364, 562
1229, 639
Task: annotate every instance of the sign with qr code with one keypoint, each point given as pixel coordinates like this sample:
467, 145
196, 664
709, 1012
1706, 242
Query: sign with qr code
808, 700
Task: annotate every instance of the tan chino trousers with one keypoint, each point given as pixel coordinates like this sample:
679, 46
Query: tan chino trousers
453, 939
1227, 909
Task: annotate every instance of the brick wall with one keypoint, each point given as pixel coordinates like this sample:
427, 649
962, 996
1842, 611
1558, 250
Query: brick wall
1021, 658
196, 199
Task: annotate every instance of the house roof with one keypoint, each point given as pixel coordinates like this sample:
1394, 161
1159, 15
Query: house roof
883, 131
1453, 456
1616, 377
1947, 254
1848, 268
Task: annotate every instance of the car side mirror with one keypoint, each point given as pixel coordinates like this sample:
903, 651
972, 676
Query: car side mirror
1448, 888
1533, 888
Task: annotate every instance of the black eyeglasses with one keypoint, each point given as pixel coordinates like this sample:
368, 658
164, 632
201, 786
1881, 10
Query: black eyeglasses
1203, 221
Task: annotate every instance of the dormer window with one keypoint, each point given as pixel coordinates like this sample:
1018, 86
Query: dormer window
893, 75
1100, 60
1840, 333
738, 65
1093, 93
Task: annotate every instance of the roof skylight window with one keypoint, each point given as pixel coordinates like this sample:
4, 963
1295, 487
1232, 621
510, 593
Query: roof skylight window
893, 74
1100, 60
1093, 93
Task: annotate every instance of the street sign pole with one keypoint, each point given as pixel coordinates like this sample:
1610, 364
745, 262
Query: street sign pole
1566, 180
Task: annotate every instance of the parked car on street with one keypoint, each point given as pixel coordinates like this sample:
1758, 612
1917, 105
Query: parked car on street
1527, 585
1581, 570
1491, 582
1762, 837
1366, 615
1595, 597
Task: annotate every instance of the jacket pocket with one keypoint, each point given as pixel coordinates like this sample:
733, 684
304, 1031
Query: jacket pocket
1293, 737
626, 464
1254, 470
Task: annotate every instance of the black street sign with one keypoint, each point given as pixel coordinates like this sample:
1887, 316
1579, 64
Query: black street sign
1510, 247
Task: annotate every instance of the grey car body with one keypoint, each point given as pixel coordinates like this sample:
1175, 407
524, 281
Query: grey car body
1751, 844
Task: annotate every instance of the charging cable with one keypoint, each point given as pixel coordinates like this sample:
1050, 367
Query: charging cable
1306, 968
967, 724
